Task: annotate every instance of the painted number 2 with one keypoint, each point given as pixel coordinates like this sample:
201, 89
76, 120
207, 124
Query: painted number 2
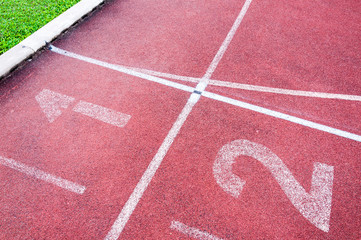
314, 206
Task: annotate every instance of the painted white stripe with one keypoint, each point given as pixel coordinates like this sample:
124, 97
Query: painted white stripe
285, 91
192, 232
122, 69
166, 75
283, 116
101, 113
142, 185
227, 41
34, 172
251, 87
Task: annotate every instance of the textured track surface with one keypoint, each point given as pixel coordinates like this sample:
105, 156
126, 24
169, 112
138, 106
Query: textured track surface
97, 130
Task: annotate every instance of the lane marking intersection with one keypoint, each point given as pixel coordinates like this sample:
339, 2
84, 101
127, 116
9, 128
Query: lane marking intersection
221, 98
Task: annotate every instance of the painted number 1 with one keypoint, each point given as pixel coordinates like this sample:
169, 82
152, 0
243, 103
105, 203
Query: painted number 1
314, 206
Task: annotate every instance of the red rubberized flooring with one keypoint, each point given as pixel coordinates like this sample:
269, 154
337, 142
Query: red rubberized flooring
267, 148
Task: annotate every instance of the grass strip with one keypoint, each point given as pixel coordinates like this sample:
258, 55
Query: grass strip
21, 18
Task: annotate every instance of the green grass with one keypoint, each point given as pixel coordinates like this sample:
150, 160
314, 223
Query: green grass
21, 18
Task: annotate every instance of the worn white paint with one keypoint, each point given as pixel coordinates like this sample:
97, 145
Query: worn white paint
36, 173
101, 113
51, 103
314, 206
192, 232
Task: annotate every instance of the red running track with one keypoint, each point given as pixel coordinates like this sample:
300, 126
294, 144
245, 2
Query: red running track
230, 172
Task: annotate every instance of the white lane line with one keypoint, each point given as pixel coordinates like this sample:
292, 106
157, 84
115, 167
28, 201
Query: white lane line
285, 91
34, 172
142, 185
166, 75
101, 113
192, 232
227, 41
283, 116
122, 69
251, 87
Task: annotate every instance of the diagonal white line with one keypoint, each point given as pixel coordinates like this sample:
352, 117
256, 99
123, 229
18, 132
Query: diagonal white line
166, 75
142, 185
34, 172
227, 41
121, 69
283, 116
250, 87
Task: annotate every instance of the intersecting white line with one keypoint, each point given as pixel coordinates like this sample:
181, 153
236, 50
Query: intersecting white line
235, 85
251, 87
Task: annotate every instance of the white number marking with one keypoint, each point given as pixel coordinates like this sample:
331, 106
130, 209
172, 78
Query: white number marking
314, 206
52, 102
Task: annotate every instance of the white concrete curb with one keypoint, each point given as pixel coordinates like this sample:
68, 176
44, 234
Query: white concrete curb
16, 55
